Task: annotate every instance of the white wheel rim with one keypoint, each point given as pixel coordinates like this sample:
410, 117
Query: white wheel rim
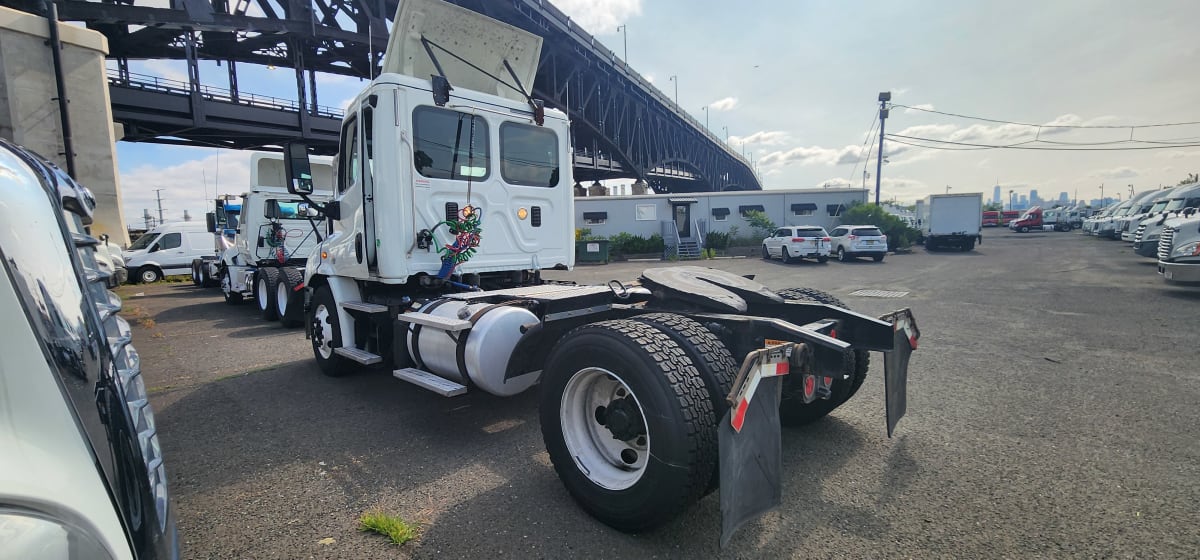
149, 276
262, 294
281, 299
322, 325
598, 453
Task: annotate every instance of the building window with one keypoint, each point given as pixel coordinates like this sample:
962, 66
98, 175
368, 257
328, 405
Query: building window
720, 214
804, 209
449, 144
645, 212
595, 218
528, 155
743, 210
834, 209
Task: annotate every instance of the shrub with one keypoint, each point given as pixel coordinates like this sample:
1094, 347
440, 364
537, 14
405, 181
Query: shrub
717, 240
625, 243
760, 223
585, 234
899, 235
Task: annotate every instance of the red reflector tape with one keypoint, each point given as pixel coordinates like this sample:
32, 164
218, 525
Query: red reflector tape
739, 415
782, 368
912, 341
299, 287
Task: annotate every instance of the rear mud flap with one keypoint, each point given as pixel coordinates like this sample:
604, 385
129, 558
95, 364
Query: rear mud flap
751, 460
895, 365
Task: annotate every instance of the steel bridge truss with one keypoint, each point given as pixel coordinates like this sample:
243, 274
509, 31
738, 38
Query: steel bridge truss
622, 126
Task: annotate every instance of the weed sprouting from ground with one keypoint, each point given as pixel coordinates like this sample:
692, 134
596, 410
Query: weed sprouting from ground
390, 526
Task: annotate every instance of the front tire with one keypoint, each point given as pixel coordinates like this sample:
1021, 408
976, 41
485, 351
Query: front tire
1023, 229
327, 334
265, 283
627, 423
766, 254
149, 275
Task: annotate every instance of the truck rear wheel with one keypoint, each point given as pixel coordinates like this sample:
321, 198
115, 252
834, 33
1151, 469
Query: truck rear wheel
265, 283
287, 299
792, 410
327, 334
196, 281
628, 423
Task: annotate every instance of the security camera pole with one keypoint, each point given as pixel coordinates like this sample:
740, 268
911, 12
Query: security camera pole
884, 97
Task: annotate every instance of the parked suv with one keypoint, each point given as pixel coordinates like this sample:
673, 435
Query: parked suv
797, 242
81, 469
849, 242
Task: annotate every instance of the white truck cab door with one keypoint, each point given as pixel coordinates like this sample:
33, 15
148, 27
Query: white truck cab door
347, 245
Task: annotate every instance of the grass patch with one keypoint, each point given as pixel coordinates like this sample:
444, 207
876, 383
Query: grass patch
390, 526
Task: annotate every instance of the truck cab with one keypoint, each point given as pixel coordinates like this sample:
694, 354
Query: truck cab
1183, 201
1179, 251
1030, 220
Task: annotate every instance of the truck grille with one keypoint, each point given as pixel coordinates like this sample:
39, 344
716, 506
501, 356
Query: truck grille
1164, 243
1137, 235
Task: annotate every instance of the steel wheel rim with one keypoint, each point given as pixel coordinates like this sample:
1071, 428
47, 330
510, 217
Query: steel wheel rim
261, 294
596, 452
322, 332
281, 299
149, 276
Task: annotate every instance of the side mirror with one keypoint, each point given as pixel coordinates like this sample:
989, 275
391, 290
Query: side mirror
210, 220
272, 209
104, 238
153, 249
298, 168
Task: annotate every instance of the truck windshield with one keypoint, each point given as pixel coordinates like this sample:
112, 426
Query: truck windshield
1160, 206
143, 241
1175, 204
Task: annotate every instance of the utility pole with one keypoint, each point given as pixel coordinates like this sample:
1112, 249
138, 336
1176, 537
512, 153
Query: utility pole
158, 194
726, 129
884, 97
146, 217
705, 108
676, 80
1102, 199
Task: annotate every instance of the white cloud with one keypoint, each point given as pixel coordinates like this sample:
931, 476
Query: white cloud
806, 155
600, 16
725, 104
760, 138
186, 186
1123, 172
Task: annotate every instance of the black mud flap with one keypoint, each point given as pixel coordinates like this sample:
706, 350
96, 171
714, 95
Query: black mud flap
751, 460
895, 365
751, 455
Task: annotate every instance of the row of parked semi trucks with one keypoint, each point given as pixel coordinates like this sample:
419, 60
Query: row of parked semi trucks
1162, 224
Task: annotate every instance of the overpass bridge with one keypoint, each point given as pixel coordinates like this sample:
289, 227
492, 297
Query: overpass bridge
622, 126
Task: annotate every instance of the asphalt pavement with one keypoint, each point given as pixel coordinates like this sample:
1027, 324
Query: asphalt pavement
1053, 412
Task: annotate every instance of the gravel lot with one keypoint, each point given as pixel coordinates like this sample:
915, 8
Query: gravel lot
1052, 413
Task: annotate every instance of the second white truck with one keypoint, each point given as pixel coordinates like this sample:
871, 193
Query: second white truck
951, 220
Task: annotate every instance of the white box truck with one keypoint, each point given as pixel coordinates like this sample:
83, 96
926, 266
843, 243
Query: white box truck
951, 220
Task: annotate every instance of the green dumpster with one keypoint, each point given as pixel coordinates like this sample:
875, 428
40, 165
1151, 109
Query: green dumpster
591, 251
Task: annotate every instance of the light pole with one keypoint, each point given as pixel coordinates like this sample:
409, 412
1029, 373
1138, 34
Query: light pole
1011, 205
1103, 201
947, 189
726, 129
1130, 191
624, 30
676, 80
705, 109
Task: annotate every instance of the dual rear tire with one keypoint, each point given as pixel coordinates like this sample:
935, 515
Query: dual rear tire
628, 418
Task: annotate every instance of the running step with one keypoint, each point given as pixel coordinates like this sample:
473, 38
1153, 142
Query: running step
364, 306
361, 356
426, 380
435, 321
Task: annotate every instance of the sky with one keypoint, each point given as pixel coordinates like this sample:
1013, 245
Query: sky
794, 84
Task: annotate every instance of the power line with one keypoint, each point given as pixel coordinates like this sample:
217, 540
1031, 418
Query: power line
866, 143
1025, 146
1045, 125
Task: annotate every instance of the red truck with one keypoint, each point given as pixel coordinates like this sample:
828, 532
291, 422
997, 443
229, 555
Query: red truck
991, 218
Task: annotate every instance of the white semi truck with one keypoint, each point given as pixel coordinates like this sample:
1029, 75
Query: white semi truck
274, 235
951, 220
1183, 202
449, 203
1179, 251
222, 224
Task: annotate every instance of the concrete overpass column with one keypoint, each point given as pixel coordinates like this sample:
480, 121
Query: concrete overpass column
29, 112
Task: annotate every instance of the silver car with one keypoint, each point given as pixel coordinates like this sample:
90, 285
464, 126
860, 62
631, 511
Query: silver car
849, 242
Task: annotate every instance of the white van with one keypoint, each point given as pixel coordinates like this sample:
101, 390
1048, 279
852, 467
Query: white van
167, 249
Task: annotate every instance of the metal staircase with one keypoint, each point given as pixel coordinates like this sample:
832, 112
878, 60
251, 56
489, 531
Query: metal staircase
684, 249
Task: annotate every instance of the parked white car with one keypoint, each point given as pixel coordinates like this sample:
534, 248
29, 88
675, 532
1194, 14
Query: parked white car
166, 250
797, 242
849, 242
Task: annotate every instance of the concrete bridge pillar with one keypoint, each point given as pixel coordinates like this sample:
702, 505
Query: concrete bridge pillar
29, 112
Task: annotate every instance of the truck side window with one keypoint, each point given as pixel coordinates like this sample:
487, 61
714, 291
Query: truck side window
528, 155
450, 145
169, 241
348, 168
